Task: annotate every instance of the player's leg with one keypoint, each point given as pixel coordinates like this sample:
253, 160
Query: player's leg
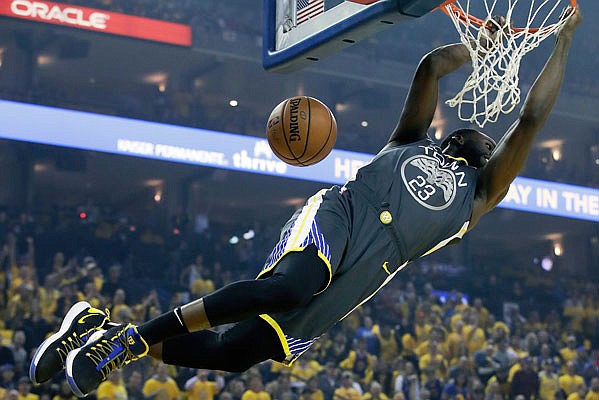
234, 350
297, 277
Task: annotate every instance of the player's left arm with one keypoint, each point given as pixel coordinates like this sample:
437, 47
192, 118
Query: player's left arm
511, 152
421, 103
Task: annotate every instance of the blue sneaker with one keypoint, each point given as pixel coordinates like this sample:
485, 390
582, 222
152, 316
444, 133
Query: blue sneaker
76, 328
104, 352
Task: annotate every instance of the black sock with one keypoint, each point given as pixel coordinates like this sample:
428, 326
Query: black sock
165, 326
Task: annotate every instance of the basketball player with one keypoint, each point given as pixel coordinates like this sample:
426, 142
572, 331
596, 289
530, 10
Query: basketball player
336, 252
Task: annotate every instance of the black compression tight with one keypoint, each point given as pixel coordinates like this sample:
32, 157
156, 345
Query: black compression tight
235, 350
297, 277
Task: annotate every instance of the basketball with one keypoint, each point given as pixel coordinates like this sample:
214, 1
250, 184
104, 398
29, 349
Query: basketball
301, 131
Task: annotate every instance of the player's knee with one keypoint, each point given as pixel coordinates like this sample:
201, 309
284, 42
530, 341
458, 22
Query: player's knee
288, 293
297, 297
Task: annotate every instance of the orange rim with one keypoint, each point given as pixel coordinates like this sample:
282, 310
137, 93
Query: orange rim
464, 18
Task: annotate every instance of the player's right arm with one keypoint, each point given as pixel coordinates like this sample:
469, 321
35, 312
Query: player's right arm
421, 102
509, 157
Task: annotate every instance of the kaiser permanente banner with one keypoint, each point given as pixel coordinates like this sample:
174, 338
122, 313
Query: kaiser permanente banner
97, 20
103, 133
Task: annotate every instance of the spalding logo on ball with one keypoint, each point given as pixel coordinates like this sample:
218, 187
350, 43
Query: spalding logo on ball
301, 131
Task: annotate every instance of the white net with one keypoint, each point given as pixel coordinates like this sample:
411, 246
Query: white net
492, 87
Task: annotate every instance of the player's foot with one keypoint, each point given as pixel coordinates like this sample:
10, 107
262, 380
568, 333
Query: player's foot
105, 351
77, 326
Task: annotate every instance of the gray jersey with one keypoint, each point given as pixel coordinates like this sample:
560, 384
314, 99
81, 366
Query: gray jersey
407, 202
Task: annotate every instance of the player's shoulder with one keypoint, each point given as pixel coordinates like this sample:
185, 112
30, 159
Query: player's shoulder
394, 144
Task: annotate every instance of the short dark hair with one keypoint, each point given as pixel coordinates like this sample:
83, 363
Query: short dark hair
463, 132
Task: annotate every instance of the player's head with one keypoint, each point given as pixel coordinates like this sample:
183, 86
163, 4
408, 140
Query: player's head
474, 146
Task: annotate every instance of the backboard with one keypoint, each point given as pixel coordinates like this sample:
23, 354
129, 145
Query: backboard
298, 33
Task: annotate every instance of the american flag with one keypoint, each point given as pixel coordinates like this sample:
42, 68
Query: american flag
307, 9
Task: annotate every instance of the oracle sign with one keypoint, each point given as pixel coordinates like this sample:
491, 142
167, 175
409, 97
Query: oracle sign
67, 15
97, 20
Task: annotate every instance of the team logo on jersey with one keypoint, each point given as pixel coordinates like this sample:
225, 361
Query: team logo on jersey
429, 183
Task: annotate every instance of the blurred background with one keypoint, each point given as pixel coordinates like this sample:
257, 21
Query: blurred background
140, 235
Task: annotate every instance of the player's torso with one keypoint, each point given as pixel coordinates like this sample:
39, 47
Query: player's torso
429, 196
408, 201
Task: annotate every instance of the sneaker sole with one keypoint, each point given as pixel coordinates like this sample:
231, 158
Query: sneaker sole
64, 327
69, 365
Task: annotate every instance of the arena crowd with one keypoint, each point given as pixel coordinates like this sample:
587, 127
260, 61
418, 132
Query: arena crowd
497, 338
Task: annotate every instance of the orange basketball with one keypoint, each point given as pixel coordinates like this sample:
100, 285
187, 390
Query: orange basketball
301, 131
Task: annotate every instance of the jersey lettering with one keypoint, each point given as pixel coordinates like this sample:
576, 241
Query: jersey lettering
430, 182
461, 175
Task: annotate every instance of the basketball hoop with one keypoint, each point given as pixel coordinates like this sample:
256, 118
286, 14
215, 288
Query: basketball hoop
492, 87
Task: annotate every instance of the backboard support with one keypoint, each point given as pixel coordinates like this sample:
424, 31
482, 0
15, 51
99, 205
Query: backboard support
298, 33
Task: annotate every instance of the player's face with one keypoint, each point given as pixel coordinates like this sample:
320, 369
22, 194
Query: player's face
477, 149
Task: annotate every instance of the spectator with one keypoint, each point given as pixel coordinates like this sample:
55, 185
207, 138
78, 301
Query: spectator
383, 374
387, 342
493, 391
455, 338
64, 392
456, 389
24, 389
7, 377
327, 380
569, 352
11, 394
462, 367
434, 359
114, 281
301, 371
580, 394
501, 380
574, 313
284, 386
312, 391
547, 356
203, 284
347, 389
375, 392
408, 383
134, 386
119, 310
360, 362
570, 382
504, 355
548, 381
525, 381
20, 354
432, 383
339, 349
112, 388
236, 388
192, 273
161, 386
593, 393
255, 390
364, 332
48, 296
200, 388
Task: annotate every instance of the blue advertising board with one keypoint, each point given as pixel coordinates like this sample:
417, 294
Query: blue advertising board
87, 131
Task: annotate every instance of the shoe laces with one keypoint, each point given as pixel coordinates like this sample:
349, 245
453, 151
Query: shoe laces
69, 344
76, 340
111, 352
